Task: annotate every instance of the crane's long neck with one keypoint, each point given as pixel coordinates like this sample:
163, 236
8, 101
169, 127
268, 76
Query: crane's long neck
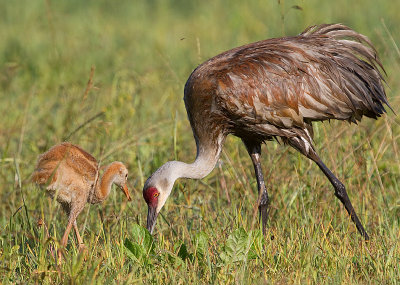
164, 178
102, 189
207, 157
200, 168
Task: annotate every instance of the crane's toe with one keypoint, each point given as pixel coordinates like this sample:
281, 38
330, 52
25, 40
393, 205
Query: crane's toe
82, 247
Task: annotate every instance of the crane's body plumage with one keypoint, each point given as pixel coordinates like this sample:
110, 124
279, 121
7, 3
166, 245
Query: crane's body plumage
276, 88
67, 170
71, 175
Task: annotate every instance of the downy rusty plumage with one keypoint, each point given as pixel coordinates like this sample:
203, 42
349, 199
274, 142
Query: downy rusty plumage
276, 88
71, 175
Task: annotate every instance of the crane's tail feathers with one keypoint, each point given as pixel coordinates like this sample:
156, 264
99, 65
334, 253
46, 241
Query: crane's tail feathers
360, 62
45, 174
43, 177
359, 43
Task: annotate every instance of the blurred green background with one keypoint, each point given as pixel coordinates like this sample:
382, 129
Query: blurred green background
138, 55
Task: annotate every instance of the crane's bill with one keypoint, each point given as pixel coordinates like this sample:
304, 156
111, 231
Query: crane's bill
126, 192
151, 218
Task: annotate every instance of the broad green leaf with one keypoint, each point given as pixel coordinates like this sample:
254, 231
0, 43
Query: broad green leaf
134, 250
141, 236
237, 247
140, 245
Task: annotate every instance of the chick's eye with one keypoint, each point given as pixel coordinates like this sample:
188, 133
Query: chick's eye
155, 195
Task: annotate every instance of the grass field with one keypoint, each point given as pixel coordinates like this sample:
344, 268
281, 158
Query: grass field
138, 55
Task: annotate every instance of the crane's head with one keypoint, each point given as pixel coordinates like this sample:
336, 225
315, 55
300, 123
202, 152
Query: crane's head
121, 178
156, 191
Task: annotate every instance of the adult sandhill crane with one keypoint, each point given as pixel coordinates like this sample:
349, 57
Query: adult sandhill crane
70, 175
275, 89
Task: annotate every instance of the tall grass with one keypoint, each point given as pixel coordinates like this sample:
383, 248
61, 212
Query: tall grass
137, 56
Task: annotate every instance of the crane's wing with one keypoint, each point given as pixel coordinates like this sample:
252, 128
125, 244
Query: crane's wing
64, 155
327, 72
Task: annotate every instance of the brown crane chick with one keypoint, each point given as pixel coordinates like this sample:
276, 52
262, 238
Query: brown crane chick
71, 175
275, 89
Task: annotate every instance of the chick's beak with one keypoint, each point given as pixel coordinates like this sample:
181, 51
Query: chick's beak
126, 192
151, 218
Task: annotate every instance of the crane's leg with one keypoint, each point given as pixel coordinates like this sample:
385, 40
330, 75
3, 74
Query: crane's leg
340, 190
73, 211
78, 237
254, 150
64, 239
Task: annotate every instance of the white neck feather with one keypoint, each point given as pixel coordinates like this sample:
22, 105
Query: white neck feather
164, 178
173, 170
199, 169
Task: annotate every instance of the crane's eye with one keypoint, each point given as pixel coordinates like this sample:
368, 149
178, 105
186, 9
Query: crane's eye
155, 195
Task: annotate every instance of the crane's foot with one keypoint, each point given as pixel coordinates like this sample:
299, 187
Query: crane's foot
341, 194
61, 249
59, 256
365, 235
82, 248
263, 209
83, 251
263, 217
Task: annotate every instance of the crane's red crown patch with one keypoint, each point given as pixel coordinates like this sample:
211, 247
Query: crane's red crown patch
150, 195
